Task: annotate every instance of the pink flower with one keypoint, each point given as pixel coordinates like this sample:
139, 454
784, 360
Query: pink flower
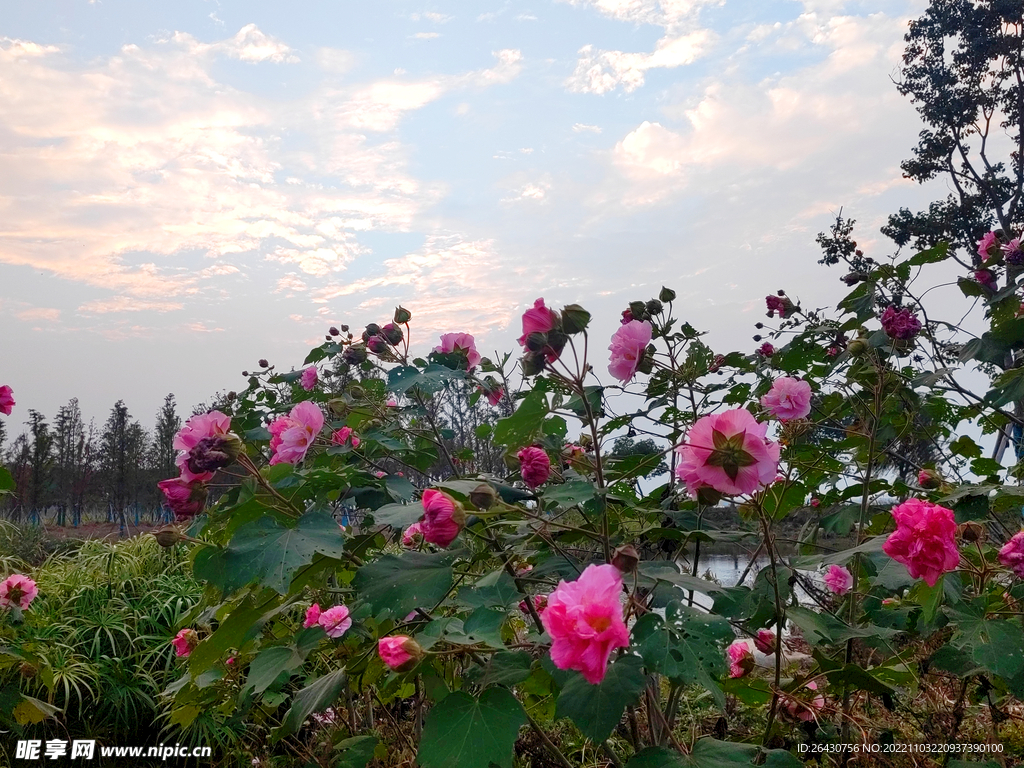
900, 323
534, 465
987, 245
292, 435
185, 642
924, 540
345, 435
929, 479
6, 400
815, 502
492, 390
17, 591
399, 652
538, 319
987, 278
729, 452
1012, 251
540, 602
442, 519
412, 536
460, 343
185, 499
788, 398
805, 711
309, 378
628, 345
838, 580
780, 304
1011, 555
206, 426
312, 616
741, 659
392, 403
766, 350
765, 641
335, 620
584, 620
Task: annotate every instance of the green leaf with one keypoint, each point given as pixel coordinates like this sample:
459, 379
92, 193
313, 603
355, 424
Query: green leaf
315, 697
594, 399
484, 626
271, 662
506, 668
266, 551
463, 732
432, 378
860, 301
571, 493
356, 752
403, 582
659, 757
969, 287
932, 255
397, 515
597, 709
7, 484
687, 646
825, 628
521, 427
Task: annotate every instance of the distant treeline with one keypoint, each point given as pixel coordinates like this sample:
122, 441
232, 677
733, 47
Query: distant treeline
66, 469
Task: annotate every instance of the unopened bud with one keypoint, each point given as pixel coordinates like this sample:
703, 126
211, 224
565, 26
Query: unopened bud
28, 671
929, 479
483, 496
354, 354
168, 536
338, 407
857, 347
532, 363
232, 395
334, 331
575, 319
402, 315
638, 310
371, 330
654, 307
392, 333
264, 363
377, 344
625, 558
667, 294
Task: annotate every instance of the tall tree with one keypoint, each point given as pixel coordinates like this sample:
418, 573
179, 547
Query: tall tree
115, 453
38, 493
68, 436
167, 425
963, 69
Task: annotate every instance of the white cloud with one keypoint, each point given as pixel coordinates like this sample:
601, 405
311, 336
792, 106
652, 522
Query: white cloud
335, 60
534, 191
249, 44
34, 314
602, 71
662, 13
426, 35
584, 128
127, 304
436, 18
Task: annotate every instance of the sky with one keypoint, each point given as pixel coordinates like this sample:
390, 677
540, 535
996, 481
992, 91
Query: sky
188, 187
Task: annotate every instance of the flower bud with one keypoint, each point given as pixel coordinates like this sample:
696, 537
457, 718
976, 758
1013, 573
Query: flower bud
654, 307
483, 496
377, 344
857, 347
574, 319
338, 407
168, 536
334, 331
625, 558
213, 453
264, 363
532, 363
929, 479
402, 315
638, 310
667, 294
354, 354
392, 333
399, 652
972, 531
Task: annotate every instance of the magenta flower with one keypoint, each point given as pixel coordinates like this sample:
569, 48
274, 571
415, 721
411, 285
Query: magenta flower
741, 658
838, 580
584, 620
17, 591
6, 400
987, 278
1012, 252
628, 345
988, 245
929, 479
412, 536
309, 378
345, 435
399, 652
335, 621
924, 540
780, 304
460, 343
442, 519
1011, 555
312, 616
805, 711
186, 499
292, 435
538, 319
900, 323
788, 399
185, 642
534, 465
766, 350
765, 641
206, 426
729, 452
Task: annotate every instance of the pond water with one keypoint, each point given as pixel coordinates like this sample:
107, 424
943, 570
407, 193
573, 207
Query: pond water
726, 569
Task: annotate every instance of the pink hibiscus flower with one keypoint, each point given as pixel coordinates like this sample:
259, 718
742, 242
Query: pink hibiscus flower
729, 452
924, 540
206, 426
292, 435
463, 343
17, 591
788, 398
628, 345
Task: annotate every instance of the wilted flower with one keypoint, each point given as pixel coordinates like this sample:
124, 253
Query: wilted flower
312, 616
540, 602
185, 642
202, 427
17, 591
584, 620
212, 453
805, 711
929, 479
741, 659
344, 436
780, 304
1013, 253
900, 323
765, 641
766, 350
988, 245
987, 278
412, 536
